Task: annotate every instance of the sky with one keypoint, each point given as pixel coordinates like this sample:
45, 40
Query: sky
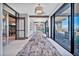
65, 23
76, 22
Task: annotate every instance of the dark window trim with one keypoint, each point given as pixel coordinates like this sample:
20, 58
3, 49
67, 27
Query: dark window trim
10, 7
72, 28
11, 15
51, 26
54, 27
62, 15
45, 28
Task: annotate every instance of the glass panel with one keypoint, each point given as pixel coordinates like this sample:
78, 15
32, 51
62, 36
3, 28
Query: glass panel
1, 30
12, 29
21, 34
62, 29
5, 30
9, 28
76, 30
21, 24
52, 27
46, 28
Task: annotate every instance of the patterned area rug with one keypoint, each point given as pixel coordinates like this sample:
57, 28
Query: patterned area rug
38, 45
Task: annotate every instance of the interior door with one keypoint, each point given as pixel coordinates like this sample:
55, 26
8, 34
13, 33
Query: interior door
21, 28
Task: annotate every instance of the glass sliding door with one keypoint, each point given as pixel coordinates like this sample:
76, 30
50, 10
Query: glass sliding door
9, 28
5, 28
61, 31
76, 29
65, 27
62, 26
12, 28
5, 22
9, 24
1, 29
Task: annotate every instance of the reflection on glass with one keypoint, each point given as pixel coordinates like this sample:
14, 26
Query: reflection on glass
61, 32
46, 28
76, 29
62, 29
5, 30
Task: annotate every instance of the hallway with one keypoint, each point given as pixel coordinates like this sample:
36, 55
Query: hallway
43, 29
37, 45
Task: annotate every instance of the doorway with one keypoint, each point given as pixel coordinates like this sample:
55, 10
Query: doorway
12, 28
21, 28
9, 28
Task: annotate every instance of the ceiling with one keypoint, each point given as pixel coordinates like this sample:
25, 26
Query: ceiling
29, 8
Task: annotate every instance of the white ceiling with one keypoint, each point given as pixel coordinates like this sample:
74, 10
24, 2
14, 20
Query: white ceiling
29, 8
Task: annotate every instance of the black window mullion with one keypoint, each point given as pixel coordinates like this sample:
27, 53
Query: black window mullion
24, 28
72, 28
45, 27
54, 27
51, 27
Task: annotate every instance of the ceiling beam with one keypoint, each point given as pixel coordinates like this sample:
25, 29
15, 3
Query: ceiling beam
36, 16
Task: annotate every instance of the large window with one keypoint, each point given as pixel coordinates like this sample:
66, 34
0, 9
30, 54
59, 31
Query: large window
65, 27
61, 31
1, 30
62, 27
62, 18
76, 29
